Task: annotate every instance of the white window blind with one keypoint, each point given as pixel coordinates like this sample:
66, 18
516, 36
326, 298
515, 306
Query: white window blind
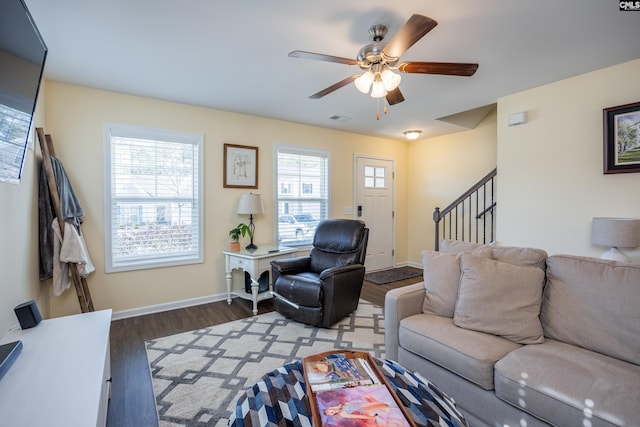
153, 187
302, 196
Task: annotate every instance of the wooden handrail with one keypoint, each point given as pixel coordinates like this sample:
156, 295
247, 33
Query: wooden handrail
469, 192
464, 202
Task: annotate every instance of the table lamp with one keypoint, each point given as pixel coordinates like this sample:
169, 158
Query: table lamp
615, 233
251, 204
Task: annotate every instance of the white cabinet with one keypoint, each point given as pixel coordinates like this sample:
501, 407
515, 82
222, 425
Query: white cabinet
62, 376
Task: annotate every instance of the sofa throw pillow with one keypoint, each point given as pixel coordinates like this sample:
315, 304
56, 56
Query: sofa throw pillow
593, 303
441, 273
514, 255
458, 246
500, 299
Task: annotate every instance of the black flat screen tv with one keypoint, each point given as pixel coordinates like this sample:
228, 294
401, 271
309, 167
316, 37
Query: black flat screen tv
22, 57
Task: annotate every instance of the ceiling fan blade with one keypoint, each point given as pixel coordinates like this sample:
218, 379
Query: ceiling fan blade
395, 97
412, 31
334, 87
446, 68
322, 57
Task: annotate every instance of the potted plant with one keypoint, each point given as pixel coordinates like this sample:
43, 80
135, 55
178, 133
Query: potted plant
240, 230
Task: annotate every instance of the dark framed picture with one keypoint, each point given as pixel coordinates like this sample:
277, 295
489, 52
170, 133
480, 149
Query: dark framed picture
240, 167
622, 138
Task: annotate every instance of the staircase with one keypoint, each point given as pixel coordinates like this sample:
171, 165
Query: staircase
471, 217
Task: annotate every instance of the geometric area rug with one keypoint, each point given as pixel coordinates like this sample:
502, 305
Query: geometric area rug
198, 376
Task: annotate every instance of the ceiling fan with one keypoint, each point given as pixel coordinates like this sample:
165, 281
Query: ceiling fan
379, 61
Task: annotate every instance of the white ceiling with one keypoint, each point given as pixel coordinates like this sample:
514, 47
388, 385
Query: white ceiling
232, 55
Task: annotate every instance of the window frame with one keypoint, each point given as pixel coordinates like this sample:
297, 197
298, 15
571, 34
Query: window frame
300, 150
156, 260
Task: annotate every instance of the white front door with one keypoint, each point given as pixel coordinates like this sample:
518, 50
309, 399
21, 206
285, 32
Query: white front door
374, 205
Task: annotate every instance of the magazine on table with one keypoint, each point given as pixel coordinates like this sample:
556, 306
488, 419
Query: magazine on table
336, 371
371, 405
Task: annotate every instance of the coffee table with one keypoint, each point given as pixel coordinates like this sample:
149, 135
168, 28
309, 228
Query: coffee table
279, 398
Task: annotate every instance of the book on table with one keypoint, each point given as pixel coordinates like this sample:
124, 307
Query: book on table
347, 388
336, 370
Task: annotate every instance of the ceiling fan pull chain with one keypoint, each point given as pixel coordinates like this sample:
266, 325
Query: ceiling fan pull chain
377, 108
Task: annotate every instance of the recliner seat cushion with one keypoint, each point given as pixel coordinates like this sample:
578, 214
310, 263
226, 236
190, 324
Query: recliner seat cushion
304, 289
567, 385
467, 353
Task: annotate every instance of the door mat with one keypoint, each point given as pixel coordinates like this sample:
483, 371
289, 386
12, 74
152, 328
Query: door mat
392, 275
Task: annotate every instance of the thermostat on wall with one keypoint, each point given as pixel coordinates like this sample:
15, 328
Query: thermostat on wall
517, 118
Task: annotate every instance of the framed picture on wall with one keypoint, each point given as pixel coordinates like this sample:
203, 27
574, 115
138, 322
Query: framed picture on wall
622, 138
240, 167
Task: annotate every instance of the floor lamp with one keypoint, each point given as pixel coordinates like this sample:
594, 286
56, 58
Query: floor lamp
251, 204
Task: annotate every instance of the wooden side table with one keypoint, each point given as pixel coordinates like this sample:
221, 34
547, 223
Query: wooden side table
254, 263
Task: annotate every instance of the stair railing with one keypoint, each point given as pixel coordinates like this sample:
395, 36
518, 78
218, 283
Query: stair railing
471, 217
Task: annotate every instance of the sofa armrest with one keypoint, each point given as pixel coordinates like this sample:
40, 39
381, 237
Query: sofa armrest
398, 304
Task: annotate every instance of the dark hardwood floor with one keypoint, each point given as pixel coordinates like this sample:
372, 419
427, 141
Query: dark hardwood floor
132, 402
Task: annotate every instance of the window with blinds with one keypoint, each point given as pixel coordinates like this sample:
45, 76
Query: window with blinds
153, 188
302, 193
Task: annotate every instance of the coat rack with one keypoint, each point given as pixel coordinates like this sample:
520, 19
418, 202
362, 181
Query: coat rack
79, 283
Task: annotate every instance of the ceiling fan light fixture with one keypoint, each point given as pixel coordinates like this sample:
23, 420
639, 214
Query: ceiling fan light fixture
390, 79
377, 88
363, 83
412, 134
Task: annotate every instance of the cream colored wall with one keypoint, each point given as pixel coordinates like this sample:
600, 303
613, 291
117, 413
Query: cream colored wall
550, 179
18, 246
75, 117
441, 169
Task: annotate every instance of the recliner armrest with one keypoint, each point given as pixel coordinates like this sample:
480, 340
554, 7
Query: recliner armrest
339, 270
285, 266
291, 265
398, 304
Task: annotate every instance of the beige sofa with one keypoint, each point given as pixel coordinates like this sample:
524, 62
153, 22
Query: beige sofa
517, 338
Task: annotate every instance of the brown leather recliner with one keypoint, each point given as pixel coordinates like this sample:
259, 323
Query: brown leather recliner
324, 287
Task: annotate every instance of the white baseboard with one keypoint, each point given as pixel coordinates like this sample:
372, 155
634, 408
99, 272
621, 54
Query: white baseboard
150, 309
173, 305
408, 264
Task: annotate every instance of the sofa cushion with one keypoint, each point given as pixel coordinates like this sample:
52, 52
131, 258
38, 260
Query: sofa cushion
467, 353
594, 304
458, 246
441, 273
514, 255
566, 385
500, 299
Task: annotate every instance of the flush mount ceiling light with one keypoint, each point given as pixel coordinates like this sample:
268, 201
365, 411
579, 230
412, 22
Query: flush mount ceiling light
412, 134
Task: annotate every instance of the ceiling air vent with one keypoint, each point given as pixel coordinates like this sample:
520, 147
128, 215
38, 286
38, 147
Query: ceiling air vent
340, 118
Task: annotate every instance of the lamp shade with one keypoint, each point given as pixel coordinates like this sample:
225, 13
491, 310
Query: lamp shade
390, 79
615, 232
250, 204
363, 83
